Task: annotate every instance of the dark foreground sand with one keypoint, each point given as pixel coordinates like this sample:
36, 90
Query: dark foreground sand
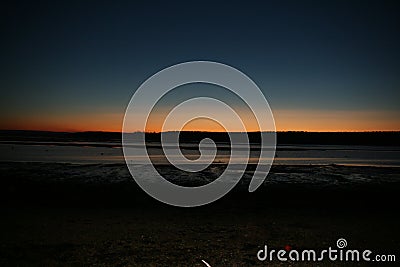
56, 222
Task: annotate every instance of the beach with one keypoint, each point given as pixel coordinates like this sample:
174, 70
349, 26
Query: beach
66, 214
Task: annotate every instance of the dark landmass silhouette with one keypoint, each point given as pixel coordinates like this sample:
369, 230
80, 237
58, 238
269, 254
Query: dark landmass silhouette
387, 138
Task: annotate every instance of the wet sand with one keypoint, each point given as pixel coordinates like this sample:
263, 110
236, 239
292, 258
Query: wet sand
76, 222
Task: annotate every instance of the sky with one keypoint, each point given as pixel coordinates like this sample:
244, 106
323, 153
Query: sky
322, 65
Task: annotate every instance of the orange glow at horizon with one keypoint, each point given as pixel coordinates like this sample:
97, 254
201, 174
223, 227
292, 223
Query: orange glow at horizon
203, 125
285, 120
107, 122
155, 124
336, 121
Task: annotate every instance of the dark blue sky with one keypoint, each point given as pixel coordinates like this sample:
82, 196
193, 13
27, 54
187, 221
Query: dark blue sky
71, 58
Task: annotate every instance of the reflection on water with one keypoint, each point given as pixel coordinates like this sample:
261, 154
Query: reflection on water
287, 155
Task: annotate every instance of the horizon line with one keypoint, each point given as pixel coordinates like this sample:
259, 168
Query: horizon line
153, 132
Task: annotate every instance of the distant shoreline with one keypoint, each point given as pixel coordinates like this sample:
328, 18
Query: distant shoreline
386, 138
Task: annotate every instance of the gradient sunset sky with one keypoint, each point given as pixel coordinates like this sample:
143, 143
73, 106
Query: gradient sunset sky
323, 65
